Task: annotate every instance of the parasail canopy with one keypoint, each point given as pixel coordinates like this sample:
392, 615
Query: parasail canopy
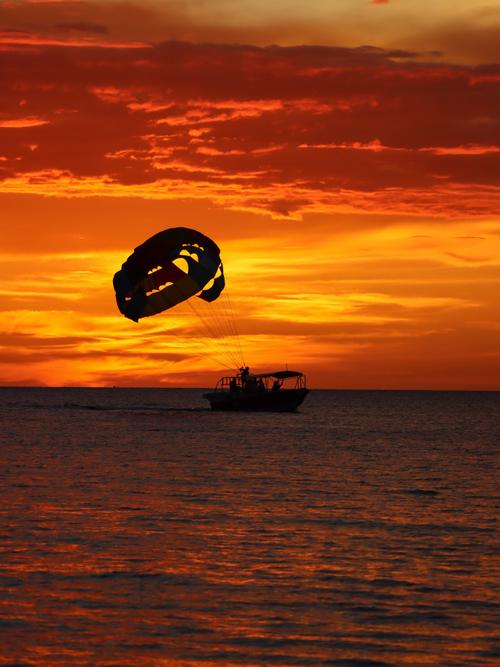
171, 266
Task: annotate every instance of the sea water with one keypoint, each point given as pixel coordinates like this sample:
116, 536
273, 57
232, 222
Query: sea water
138, 528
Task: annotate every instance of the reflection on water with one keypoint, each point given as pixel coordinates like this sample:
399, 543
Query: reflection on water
358, 532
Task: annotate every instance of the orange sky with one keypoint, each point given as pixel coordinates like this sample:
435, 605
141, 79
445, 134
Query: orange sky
346, 162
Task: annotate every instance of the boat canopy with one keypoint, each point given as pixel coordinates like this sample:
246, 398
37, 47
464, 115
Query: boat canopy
279, 375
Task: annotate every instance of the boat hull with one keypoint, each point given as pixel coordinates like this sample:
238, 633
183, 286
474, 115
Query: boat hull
285, 400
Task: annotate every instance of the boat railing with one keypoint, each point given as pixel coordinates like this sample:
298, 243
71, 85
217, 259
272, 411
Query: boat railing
259, 383
300, 382
230, 383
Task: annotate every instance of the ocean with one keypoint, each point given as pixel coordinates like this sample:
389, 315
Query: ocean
140, 529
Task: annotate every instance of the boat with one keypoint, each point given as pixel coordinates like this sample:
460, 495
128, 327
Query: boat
281, 391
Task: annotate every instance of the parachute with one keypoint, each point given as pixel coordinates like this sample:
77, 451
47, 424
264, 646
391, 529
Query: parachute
170, 267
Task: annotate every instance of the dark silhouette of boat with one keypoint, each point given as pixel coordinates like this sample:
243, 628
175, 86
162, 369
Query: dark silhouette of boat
281, 391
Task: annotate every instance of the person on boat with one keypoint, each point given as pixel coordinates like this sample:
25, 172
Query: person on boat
261, 386
244, 375
232, 385
276, 385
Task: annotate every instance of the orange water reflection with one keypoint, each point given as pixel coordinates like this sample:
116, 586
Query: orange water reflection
188, 538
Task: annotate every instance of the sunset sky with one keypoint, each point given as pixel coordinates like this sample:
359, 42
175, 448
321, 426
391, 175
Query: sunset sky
344, 155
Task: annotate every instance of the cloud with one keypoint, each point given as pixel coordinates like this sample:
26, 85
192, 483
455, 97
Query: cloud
83, 26
142, 115
30, 121
353, 290
467, 32
13, 41
280, 130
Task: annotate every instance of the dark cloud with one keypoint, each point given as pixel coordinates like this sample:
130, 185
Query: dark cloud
22, 340
471, 36
93, 28
24, 381
32, 355
161, 378
22, 348
16, 31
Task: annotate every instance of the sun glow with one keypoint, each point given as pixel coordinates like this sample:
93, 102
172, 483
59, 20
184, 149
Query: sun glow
352, 190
